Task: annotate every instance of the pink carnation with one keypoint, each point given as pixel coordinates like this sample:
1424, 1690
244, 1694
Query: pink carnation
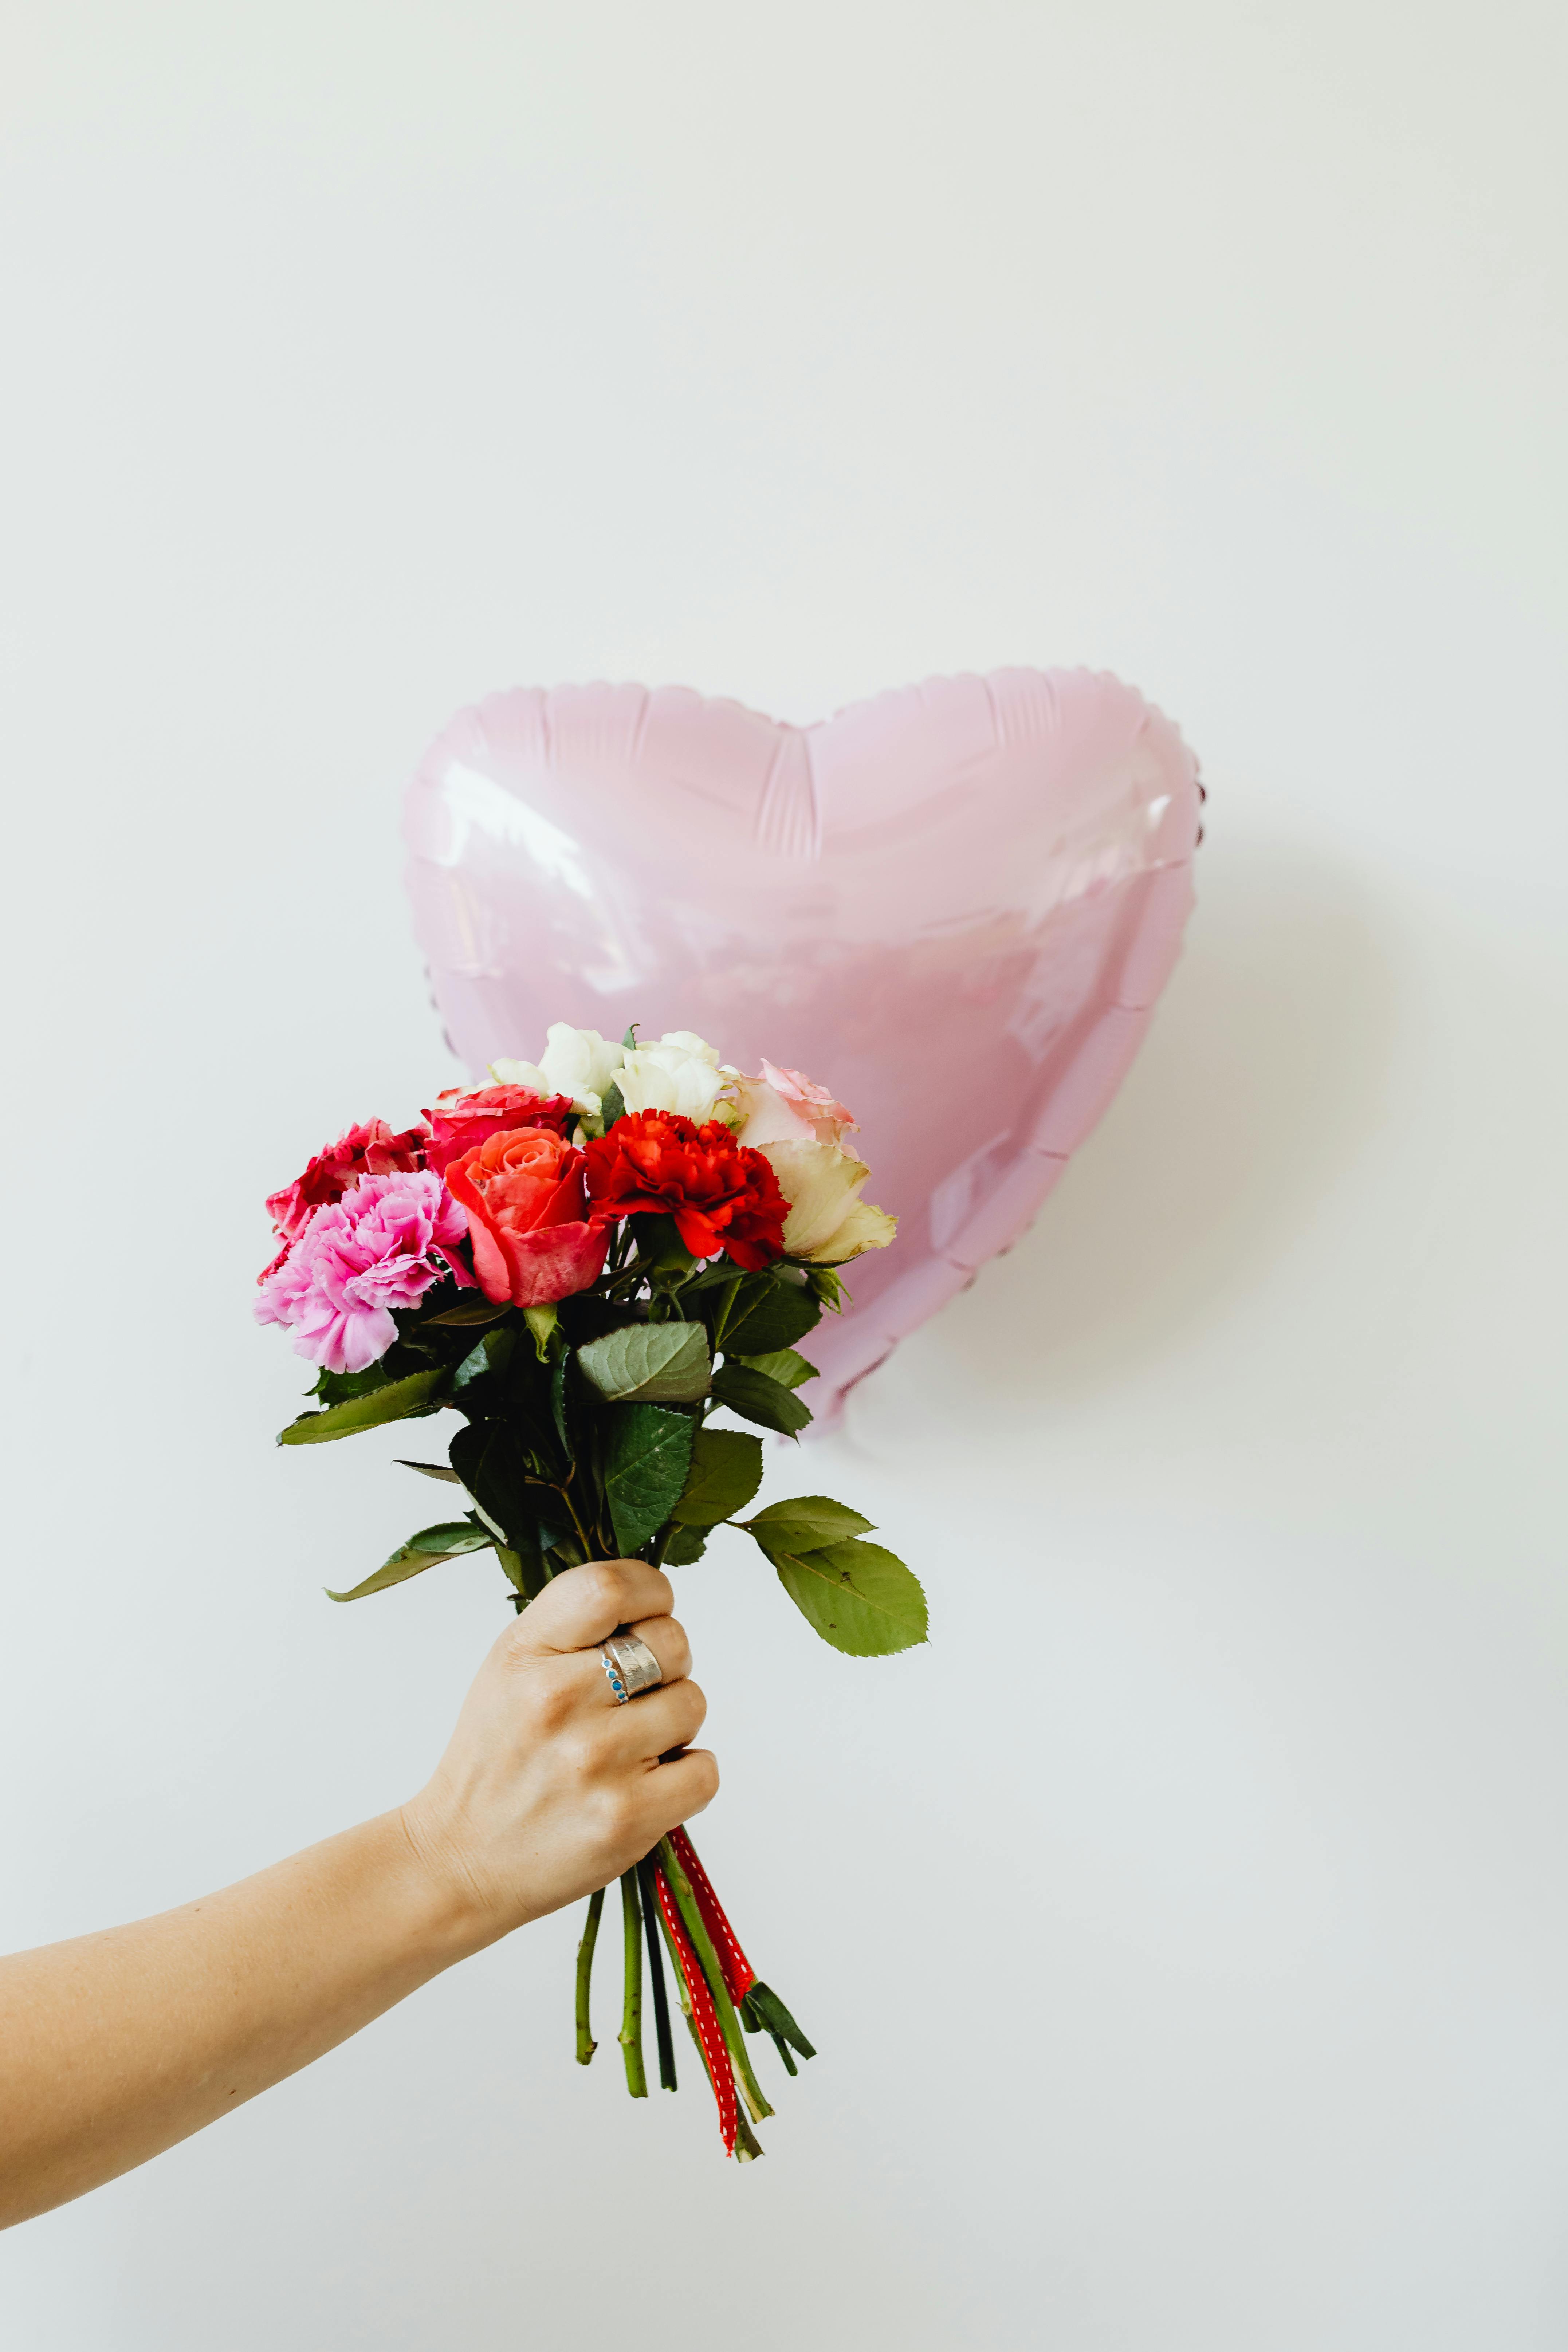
381, 1246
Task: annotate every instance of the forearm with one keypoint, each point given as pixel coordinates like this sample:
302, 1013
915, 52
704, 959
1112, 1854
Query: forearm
116, 2045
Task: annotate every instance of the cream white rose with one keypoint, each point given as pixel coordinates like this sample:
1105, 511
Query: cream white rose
575, 1062
680, 1073
828, 1222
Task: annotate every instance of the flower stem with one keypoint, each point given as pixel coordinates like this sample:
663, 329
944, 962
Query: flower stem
631, 2007
707, 1960
586, 2045
656, 1977
565, 1496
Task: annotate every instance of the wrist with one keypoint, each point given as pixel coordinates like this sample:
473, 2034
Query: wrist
453, 1916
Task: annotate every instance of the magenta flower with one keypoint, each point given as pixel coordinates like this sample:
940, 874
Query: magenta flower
381, 1246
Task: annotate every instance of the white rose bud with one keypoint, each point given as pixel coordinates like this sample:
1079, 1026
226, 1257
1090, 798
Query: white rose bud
575, 1062
681, 1072
828, 1222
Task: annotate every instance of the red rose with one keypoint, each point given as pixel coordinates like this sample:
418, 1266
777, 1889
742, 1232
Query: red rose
528, 1217
369, 1150
463, 1119
721, 1195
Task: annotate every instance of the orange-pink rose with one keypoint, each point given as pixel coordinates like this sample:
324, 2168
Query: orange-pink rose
528, 1217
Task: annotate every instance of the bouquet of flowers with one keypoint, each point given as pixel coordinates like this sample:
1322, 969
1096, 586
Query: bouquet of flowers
586, 1260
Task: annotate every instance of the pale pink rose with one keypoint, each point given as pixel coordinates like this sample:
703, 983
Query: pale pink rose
786, 1107
381, 1246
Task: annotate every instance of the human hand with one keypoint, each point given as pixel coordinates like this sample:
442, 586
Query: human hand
550, 1787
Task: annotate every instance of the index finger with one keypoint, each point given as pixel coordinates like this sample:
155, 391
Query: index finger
584, 1605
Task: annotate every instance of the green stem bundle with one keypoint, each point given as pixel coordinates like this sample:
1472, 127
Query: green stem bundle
586, 2045
651, 1925
631, 2006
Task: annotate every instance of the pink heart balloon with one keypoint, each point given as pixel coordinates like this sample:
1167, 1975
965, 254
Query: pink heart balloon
955, 906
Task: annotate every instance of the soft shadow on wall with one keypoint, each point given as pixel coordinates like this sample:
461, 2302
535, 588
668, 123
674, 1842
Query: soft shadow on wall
1264, 1075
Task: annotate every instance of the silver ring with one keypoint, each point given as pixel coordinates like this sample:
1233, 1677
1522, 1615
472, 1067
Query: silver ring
630, 1665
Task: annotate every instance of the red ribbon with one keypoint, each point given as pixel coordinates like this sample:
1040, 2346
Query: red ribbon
704, 2015
739, 1976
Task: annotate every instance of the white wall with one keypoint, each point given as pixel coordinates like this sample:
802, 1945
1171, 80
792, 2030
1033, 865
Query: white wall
1185, 1929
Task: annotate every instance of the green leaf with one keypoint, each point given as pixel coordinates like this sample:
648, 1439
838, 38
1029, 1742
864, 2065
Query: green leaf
685, 1545
647, 1453
772, 2016
447, 1541
336, 1388
490, 1459
395, 1401
721, 1271
661, 1253
783, 1365
612, 1105
756, 1398
491, 1354
432, 1470
804, 1522
726, 1471
859, 1596
473, 1311
525, 1570
525, 1405
780, 1315
660, 1363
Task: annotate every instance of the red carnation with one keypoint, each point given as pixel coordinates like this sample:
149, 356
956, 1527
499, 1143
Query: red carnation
370, 1149
463, 1119
721, 1195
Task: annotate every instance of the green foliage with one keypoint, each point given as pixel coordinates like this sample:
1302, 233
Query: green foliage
447, 1541
859, 1596
472, 1312
783, 1365
661, 1253
523, 1397
336, 1388
726, 1471
803, 1523
491, 1461
489, 1355
647, 1453
720, 1274
685, 1545
432, 1470
513, 1564
764, 2011
612, 1105
773, 1315
757, 1398
656, 1363
396, 1400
